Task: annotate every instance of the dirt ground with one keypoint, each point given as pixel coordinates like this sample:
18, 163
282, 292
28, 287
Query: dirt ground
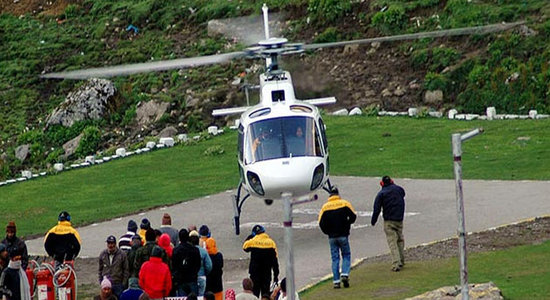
530, 232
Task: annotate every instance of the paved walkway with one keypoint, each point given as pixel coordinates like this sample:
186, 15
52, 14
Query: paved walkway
430, 206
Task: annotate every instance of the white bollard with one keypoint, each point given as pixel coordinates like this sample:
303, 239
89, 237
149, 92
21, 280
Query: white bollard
451, 114
90, 159
355, 111
121, 152
413, 112
167, 141
213, 130
237, 123
151, 145
58, 167
26, 174
183, 137
491, 113
341, 112
435, 114
533, 114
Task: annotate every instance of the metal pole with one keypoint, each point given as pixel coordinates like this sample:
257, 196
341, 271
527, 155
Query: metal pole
290, 289
457, 139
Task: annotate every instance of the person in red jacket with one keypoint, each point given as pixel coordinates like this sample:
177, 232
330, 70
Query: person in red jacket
154, 277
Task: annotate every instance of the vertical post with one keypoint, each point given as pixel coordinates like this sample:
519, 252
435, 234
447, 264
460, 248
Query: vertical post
457, 140
290, 288
266, 31
457, 154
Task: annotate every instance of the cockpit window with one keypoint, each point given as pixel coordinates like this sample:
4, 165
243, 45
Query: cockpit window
282, 137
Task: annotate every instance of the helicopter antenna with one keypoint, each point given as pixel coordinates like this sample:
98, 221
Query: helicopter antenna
266, 31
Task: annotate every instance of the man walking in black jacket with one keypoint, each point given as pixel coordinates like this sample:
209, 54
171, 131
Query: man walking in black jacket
391, 200
335, 220
186, 262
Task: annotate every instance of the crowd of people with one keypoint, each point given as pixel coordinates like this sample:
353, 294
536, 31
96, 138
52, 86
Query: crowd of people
149, 263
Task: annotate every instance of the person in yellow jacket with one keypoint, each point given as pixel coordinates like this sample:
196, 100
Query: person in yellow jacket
62, 242
335, 220
263, 259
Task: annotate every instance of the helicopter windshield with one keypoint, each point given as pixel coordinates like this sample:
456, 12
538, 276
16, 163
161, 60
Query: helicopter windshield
282, 137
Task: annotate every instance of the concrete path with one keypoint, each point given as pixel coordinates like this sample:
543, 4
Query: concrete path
430, 207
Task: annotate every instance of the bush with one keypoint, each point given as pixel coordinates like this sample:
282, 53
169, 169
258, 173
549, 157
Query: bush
89, 142
391, 20
329, 35
328, 11
435, 81
479, 76
443, 57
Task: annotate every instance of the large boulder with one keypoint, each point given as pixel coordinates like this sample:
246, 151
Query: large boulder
88, 102
71, 146
150, 112
169, 131
22, 152
476, 291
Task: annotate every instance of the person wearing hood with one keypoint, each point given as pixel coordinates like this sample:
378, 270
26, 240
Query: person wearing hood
164, 243
13, 242
13, 281
155, 277
133, 291
214, 282
62, 242
125, 241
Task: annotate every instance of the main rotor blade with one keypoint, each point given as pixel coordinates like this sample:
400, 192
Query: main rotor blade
160, 65
420, 35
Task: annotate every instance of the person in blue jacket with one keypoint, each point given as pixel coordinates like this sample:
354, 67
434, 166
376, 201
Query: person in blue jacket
391, 200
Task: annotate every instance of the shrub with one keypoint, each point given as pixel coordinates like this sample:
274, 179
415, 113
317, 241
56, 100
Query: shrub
443, 57
214, 150
435, 81
329, 35
90, 141
328, 11
391, 20
479, 76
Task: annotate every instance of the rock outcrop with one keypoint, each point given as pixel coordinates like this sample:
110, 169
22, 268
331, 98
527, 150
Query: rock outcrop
88, 102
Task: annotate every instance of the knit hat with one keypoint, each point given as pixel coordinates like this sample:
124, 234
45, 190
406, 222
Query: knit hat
257, 229
136, 237
150, 235
334, 191
64, 216
145, 224
183, 234
194, 233
166, 219
204, 231
11, 226
157, 252
132, 226
105, 283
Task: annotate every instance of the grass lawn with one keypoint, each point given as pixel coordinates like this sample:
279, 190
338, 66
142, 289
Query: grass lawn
521, 273
359, 146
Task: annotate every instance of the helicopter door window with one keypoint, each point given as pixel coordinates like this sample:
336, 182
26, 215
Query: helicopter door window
323, 134
278, 95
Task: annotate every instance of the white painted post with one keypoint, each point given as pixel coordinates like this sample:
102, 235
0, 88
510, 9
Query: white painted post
491, 113
457, 140
287, 222
121, 152
451, 114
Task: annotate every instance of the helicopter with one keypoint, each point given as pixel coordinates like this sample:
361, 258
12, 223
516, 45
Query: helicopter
282, 147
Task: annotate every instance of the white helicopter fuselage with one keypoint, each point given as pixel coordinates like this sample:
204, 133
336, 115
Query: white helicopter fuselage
282, 143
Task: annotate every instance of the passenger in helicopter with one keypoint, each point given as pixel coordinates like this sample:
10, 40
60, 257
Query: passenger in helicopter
296, 143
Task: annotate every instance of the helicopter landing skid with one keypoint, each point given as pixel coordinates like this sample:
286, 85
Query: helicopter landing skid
237, 206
